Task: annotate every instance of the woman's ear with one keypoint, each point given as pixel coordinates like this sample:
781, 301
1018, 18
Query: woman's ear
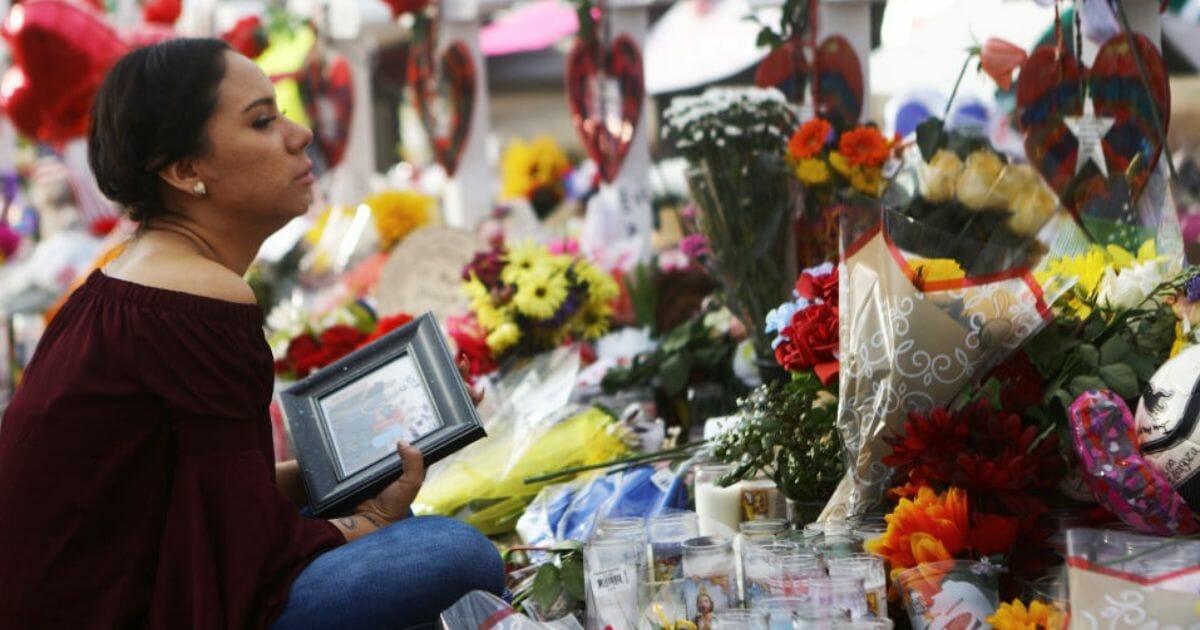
183, 176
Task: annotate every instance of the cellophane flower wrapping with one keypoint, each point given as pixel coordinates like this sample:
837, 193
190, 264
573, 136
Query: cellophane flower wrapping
1119, 579
916, 327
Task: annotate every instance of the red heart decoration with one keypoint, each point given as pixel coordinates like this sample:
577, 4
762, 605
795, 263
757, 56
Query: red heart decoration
444, 100
606, 137
838, 73
61, 51
1051, 88
328, 95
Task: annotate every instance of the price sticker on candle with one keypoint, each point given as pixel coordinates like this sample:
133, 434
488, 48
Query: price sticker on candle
611, 581
662, 479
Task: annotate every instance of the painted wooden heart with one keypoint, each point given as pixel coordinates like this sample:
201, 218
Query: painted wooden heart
444, 98
606, 93
1051, 88
327, 90
785, 69
839, 78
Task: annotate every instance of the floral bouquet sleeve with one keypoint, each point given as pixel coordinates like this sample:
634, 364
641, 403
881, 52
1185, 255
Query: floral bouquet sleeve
928, 305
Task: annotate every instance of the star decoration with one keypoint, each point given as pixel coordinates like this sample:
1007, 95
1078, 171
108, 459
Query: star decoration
1089, 131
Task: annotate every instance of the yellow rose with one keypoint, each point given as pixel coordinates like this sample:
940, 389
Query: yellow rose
1032, 209
938, 183
974, 185
1015, 180
812, 172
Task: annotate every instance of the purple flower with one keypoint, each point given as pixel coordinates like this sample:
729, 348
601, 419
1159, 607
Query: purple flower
694, 246
1193, 289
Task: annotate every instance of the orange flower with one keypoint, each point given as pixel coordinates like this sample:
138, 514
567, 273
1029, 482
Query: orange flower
809, 139
864, 146
931, 526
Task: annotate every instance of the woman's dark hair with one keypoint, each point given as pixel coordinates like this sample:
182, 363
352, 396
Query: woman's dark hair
150, 111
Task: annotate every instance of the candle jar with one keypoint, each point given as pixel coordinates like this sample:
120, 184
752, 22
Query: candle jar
739, 619
763, 528
780, 610
840, 545
717, 506
667, 533
791, 572
756, 566
611, 586
845, 592
806, 539
869, 568
761, 500
708, 567
631, 527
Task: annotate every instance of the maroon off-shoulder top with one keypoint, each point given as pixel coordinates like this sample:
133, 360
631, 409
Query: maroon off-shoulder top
136, 470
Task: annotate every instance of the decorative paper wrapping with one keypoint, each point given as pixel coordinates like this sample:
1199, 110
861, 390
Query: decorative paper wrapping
908, 349
1120, 580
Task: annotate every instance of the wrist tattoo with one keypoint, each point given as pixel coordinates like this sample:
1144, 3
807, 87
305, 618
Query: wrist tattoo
348, 522
371, 519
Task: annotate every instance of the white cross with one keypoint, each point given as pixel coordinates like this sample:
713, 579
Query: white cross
1089, 131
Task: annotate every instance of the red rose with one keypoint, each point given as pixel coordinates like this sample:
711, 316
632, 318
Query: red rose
823, 287
385, 326
340, 340
303, 353
812, 342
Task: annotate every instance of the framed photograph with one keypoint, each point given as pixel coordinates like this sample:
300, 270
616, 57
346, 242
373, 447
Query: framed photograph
346, 418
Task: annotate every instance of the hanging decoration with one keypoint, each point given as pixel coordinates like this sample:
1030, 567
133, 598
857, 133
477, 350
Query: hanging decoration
831, 87
443, 86
1092, 133
606, 90
248, 36
161, 12
327, 91
61, 51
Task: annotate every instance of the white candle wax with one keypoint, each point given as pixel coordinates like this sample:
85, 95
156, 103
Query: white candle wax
715, 504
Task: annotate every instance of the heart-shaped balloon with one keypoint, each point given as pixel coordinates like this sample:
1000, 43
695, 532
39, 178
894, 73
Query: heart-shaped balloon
1051, 88
606, 92
327, 91
444, 100
839, 78
61, 51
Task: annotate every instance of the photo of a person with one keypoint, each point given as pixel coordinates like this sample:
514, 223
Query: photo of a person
704, 610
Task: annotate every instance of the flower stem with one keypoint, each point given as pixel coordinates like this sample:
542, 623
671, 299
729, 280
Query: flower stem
957, 82
638, 459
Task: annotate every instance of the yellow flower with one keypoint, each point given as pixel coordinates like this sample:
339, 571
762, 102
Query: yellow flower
974, 184
504, 337
927, 270
840, 164
1088, 270
1180, 340
602, 289
1038, 616
867, 180
491, 317
1032, 208
476, 292
529, 166
540, 293
593, 321
313, 236
397, 213
812, 171
944, 169
524, 259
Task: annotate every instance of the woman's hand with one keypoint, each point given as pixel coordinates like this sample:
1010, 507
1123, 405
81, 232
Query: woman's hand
393, 503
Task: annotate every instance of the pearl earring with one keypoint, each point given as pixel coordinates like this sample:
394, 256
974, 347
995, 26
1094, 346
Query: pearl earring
200, 189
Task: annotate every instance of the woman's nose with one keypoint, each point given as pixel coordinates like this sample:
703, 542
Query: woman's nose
301, 138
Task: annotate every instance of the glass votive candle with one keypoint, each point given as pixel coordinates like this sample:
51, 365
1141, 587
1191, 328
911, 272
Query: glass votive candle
790, 573
708, 564
840, 545
870, 569
762, 528
667, 533
632, 527
846, 592
611, 568
863, 624
805, 538
757, 566
739, 619
761, 499
780, 610
716, 504
819, 617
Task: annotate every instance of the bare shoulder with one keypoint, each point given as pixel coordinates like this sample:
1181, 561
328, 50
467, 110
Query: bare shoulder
192, 274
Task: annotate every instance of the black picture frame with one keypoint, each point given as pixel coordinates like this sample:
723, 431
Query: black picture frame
408, 381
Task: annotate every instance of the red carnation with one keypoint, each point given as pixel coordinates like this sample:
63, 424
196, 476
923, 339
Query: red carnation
823, 287
303, 356
1020, 383
385, 326
340, 340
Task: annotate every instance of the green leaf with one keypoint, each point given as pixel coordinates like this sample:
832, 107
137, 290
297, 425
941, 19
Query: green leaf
546, 585
1144, 366
1121, 379
674, 374
1085, 382
768, 39
1115, 349
572, 577
677, 339
931, 136
1089, 357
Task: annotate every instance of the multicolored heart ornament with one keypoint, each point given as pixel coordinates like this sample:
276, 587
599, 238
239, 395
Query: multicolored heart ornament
785, 69
327, 90
606, 92
445, 99
839, 78
1052, 88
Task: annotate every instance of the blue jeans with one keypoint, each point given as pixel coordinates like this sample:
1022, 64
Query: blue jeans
402, 576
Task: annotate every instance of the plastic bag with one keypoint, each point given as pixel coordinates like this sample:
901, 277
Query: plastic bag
483, 611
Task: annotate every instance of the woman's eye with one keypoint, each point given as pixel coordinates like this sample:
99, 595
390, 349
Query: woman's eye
264, 122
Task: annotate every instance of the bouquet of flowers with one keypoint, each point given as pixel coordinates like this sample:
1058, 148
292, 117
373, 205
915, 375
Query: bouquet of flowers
735, 141
535, 171
528, 300
302, 347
